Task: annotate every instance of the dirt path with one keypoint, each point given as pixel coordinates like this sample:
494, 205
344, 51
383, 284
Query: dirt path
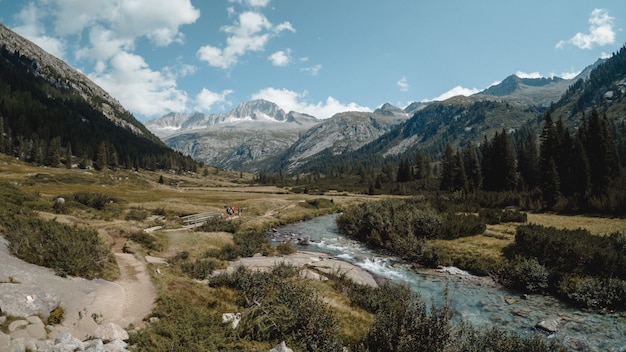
85, 302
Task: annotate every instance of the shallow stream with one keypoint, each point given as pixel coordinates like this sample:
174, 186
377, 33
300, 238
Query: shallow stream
473, 301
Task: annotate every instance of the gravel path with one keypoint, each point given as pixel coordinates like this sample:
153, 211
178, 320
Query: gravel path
125, 301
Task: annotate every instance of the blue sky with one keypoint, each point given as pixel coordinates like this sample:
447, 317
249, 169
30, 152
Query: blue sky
313, 56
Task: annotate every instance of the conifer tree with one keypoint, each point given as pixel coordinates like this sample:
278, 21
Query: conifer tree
422, 162
550, 183
459, 182
404, 171
68, 156
601, 153
448, 161
102, 157
528, 162
2, 139
472, 168
53, 157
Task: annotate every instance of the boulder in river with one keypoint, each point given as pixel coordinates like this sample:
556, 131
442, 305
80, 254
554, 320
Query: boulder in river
549, 325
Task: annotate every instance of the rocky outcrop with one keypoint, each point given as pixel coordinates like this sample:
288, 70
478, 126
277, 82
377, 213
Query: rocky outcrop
31, 334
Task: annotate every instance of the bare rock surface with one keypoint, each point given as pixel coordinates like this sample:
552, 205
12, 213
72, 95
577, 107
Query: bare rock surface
320, 262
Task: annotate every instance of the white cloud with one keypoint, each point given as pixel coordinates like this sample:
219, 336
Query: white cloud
250, 32
206, 98
32, 28
313, 70
280, 58
521, 74
458, 90
293, 101
253, 3
601, 32
157, 20
139, 88
403, 84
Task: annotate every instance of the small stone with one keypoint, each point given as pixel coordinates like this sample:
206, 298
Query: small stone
281, 347
549, 325
17, 324
34, 320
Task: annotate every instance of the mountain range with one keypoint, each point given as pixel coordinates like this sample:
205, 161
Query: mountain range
258, 135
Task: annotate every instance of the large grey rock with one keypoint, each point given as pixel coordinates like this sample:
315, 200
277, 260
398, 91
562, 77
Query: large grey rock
116, 346
108, 332
66, 342
5, 342
14, 302
95, 345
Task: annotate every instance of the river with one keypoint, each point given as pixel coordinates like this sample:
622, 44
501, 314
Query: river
479, 304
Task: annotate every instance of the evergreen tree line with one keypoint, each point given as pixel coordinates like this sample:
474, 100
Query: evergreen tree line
580, 169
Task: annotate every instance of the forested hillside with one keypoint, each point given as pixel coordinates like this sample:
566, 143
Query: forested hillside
45, 121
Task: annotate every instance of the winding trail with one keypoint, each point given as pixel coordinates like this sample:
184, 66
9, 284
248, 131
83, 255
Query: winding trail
86, 303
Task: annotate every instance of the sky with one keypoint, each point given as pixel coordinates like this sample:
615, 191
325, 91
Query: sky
318, 57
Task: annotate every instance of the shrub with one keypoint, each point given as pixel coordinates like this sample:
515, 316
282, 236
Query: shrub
498, 216
528, 275
593, 292
136, 214
250, 242
94, 199
201, 268
216, 224
146, 240
56, 316
460, 225
70, 250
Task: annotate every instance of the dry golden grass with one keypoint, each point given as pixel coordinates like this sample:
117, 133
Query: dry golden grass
596, 226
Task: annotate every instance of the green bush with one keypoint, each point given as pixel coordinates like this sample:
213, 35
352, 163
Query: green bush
201, 268
136, 214
594, 292
94, 199
460, 225
216, 224
146, 240
528, 275
278, 306
56, 316
498, 216
70, 250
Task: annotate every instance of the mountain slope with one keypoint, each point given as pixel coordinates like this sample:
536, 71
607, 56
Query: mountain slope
48, 108
533, 91
342, 133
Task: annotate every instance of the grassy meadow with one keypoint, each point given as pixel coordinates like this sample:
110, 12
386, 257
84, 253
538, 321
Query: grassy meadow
137, 200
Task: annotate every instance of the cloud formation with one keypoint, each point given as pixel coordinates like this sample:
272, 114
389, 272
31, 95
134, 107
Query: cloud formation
293, 101
601, 32
280, 58
250, 32
104, 34
206, 99
458, 90
138, 87
403, 84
